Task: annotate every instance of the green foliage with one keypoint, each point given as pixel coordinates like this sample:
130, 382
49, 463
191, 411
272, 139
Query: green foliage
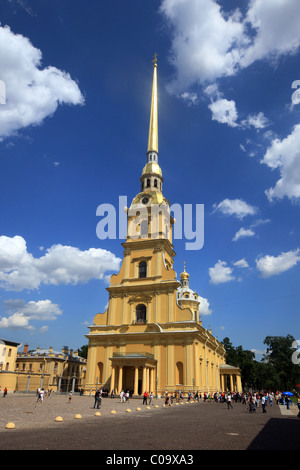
83, 351
276, 371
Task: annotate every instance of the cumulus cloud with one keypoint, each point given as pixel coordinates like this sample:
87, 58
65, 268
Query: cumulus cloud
209, 43
258, 121
224, 111
284, 155
20, 314
204, 308
220, 273
242, 233
241, 263
236, 207
32, 92
272, 265
60, 264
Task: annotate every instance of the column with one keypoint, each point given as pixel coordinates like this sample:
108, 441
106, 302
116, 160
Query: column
73, 383
144, 379
231, 383
90, 376
120, 379
59, 384
112, 379
136, 381
152, 380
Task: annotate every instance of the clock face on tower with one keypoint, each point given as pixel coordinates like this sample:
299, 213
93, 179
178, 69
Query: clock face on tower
145, 200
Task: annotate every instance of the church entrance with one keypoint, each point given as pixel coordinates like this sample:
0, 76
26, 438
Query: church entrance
133, 372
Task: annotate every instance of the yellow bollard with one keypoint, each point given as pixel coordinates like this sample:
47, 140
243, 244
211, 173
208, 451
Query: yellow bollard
97, 413
10, 426
77, 416
58, 418
113, 412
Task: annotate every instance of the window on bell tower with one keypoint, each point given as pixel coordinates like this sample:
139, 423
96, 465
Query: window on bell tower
143, 269
141, 313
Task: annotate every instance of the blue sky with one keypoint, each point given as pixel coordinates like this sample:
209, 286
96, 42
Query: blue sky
74, 126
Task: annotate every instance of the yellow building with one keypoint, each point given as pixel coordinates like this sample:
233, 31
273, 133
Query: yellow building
49, 369
150, 337
8, 356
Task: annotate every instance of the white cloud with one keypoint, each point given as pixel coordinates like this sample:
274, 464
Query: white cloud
204, 308
242, 233
32, 93
220, 273
21, 314
271, 265
236, 207
258, 121
20, 270
224, 111
208, 44
284, 155
190, 98
241, 263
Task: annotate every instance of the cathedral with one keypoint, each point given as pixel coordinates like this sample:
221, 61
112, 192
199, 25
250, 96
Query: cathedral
151, 337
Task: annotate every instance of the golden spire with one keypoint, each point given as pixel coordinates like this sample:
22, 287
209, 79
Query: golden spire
153, 127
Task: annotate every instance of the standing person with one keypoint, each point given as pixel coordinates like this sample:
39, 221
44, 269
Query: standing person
5, 392
112, 395
145, 398
97, 399
70, 396
263, 403
151, 399
229, 405
121, 396
42, 394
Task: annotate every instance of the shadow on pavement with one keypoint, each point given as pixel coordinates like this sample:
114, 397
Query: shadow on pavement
278, 434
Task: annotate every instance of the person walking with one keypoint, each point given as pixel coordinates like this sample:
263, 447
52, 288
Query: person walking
229, 405
145, 396
97, 399
263, 404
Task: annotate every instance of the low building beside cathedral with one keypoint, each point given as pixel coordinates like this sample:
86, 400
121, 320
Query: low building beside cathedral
151, 336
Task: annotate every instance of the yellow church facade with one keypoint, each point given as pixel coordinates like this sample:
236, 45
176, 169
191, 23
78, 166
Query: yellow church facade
151, 337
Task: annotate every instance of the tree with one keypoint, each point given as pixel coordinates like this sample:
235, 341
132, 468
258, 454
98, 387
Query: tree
83, 351
279, 357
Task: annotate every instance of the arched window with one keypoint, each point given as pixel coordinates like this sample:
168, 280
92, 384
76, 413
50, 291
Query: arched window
179, 373
141, 313
100, 372
143, 269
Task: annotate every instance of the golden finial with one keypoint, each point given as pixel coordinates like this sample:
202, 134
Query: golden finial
155, 59
184, 274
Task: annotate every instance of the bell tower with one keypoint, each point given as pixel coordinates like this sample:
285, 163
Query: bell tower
150, 337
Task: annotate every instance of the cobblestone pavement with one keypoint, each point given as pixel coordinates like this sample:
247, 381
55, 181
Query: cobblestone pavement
195, 426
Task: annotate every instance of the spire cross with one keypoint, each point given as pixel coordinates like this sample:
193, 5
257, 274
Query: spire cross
155, 58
